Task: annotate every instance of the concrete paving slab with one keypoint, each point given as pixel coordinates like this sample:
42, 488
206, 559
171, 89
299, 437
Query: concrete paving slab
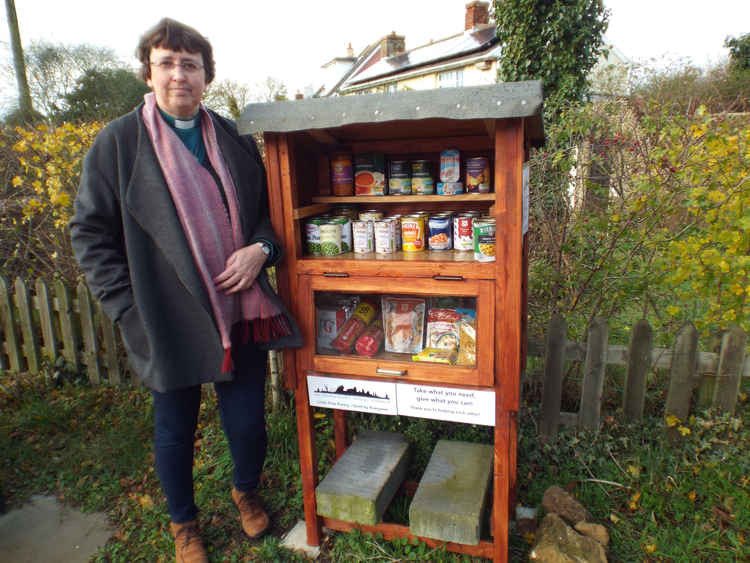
296, 539
45, 530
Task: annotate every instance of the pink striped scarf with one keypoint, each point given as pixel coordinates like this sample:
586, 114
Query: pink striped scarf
212, 235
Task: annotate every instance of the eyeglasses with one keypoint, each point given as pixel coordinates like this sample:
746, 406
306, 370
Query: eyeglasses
189, 67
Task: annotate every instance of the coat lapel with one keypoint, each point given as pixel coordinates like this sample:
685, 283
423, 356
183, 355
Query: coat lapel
149, 202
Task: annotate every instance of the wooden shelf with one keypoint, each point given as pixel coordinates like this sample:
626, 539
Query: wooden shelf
490, 197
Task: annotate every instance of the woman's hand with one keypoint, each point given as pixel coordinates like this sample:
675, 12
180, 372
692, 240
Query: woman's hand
242, 267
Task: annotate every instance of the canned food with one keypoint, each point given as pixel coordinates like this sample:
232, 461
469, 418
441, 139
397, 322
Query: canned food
371, 215
385, 236
399, 185
363, 234
450, 165
346, 232
397, 223
422, 185
369, 174
450, 188
347, 210
412, 233
478, 175
421, 168
330, 239
312, 236
342, 178
463, 233
484, 239
439, 232
399, 168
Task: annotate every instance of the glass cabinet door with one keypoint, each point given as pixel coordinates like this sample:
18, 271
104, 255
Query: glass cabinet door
422, 329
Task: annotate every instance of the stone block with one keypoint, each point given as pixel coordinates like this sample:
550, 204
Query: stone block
450, 501
361, 484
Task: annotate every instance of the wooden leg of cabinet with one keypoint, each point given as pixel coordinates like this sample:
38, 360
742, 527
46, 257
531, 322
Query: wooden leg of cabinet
501, 488
340, 432
308, 463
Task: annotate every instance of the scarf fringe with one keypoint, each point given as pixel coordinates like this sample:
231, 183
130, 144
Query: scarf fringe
270, 329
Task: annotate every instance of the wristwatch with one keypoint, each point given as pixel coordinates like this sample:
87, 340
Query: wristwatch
265, 248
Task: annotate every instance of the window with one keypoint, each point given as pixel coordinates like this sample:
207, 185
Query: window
451, 79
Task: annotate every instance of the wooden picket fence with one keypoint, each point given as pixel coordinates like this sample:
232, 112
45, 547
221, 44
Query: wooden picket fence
56, 323
715, 377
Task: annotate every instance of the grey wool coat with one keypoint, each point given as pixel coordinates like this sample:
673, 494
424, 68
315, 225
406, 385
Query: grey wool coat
129, 242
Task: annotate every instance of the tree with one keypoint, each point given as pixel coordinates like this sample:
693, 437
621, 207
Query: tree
556, 42
103, 95
739, 52
54, 70
26, 109
227, 98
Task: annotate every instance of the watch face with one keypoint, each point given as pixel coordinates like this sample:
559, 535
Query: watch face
266, 249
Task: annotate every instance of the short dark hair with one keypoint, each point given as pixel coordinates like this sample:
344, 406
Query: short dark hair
171, 34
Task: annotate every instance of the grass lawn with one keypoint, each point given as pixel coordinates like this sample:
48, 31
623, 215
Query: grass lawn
685, 498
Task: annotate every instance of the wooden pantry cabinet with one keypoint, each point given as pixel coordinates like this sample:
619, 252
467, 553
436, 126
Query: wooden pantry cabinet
500, 122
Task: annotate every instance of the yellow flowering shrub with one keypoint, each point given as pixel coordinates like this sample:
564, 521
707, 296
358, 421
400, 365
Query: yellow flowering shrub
41, 172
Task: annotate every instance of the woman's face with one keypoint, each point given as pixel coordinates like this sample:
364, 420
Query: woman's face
178, 90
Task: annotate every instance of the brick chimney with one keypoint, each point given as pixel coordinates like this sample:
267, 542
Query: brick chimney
477, 13
392, 45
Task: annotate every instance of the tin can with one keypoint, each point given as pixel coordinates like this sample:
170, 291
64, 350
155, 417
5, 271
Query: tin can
422, 185
371, 215
330, 239
347, 210
385, 236
342, 178
484, 239
450, 165
450, 188
397, 222
363, 233
412, 233
312, 236
399, 185
439, 230
463, 233
346, 232
369, 174
399, 168
478, 175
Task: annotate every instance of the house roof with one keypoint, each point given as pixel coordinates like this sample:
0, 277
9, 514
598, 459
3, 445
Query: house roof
470, 41
496, 101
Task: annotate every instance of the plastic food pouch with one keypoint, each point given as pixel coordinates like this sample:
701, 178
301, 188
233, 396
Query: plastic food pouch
370, 340
403, 322
442, 328
467, 341
362, 316
436, 355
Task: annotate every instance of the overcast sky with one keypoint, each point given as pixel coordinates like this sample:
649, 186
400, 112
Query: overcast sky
291, 39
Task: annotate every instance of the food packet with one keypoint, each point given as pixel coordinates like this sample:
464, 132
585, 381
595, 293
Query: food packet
442, 328
437, 355
467, 339
403, 323
370, 340
354, 326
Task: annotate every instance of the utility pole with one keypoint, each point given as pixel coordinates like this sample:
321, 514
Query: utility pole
24, 95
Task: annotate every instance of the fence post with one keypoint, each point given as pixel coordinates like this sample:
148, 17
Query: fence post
9, 327
729, 371
88, 330
554, 364
639, 362
593, 374
68, 332
682, 372
23, 303
46, 319
110, 346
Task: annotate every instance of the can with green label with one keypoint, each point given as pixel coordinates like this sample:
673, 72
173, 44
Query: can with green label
346, 232
484, 239
330, 239
312, 235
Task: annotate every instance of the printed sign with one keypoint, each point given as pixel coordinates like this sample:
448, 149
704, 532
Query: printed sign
446, 403
352, 394
471, 406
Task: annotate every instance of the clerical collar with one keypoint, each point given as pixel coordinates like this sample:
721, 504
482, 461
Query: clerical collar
179, 123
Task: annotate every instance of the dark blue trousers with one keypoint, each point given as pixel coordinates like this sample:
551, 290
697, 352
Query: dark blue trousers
242, 413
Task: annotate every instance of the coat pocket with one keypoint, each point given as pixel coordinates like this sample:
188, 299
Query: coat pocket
133, 334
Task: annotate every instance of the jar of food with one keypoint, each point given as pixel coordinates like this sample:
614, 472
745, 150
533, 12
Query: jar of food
342, 175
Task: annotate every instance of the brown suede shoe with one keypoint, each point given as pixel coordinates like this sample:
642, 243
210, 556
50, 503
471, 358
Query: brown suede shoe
188, 545
254, 519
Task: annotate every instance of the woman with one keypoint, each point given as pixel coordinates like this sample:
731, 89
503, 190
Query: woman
171, 228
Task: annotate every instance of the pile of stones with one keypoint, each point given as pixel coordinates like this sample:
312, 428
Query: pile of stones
566, 534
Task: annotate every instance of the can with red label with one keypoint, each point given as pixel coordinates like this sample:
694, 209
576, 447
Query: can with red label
463, 234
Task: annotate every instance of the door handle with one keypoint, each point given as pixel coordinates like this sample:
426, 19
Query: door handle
448, 278
383, 371
336, 274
